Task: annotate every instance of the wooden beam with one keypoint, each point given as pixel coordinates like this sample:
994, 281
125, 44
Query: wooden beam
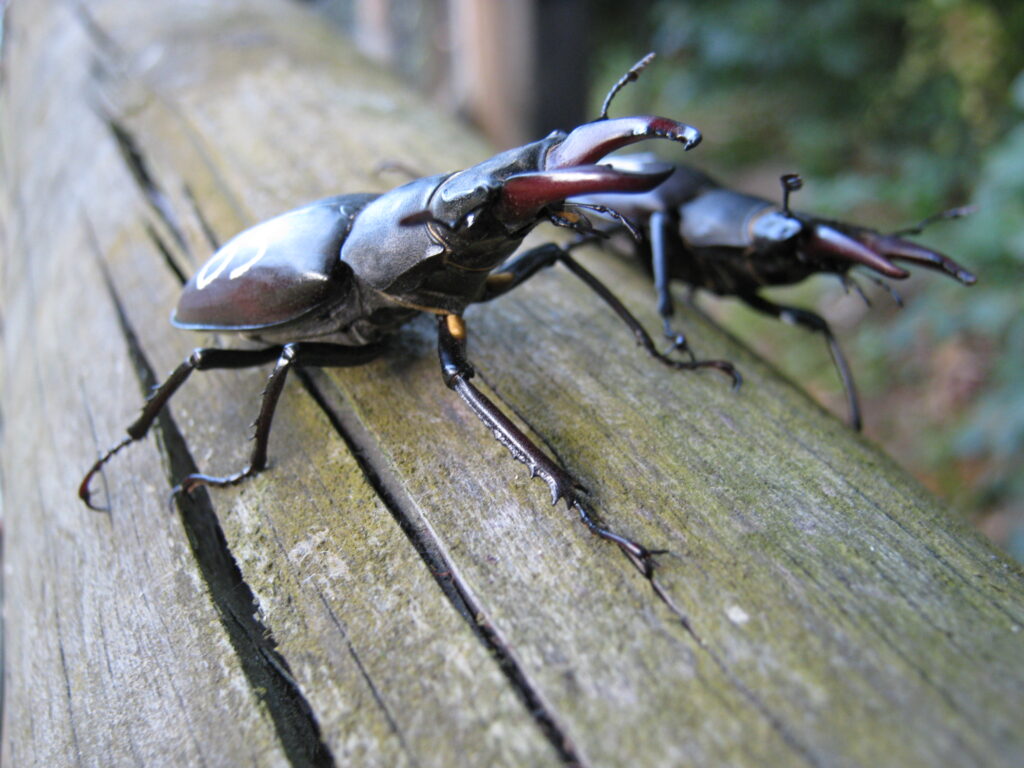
394, 590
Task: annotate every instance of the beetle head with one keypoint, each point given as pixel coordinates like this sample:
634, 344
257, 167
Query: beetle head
837, 247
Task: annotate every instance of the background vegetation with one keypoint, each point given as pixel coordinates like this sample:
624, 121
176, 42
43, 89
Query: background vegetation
891, 112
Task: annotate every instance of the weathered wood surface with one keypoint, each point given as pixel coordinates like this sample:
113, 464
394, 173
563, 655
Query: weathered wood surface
395, 591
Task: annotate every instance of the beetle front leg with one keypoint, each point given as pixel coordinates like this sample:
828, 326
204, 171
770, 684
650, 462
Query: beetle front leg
639, 332
814, 322
521, 269
457, 372
529, 263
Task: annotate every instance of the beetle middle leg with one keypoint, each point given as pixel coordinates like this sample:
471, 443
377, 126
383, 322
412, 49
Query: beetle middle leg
529, 263
814, 322
660, 227
457, 372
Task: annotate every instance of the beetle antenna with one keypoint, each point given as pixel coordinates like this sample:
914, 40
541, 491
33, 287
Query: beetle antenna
422, 217
426, 216
626, 79
952, 213
791, 182
611, 213
577, 222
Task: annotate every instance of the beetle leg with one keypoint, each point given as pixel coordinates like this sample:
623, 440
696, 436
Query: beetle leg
200, 359
520, 269
850, 283
641, 335
660, 227
291, 355
208, 358
457, 371
532, 261
814, 322
951, 213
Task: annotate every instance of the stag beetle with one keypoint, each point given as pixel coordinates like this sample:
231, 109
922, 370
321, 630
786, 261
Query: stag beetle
733, 244
327, 283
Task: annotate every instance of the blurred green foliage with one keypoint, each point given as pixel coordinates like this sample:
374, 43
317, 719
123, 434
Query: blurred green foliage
891, 112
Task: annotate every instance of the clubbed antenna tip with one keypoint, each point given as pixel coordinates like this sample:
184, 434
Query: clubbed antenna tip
626, 79
791, 182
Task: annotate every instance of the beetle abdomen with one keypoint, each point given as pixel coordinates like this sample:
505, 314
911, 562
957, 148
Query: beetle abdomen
274, 272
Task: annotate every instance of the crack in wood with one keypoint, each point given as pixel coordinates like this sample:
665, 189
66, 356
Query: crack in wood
374, 469
204, 222
67, 686
374, 690
232, 598
139, 167
161, 246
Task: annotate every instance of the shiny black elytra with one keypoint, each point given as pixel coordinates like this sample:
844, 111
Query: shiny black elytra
327, 283
733, 244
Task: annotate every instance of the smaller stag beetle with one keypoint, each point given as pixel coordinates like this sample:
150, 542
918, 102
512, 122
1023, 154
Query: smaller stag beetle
327, 283
733, 244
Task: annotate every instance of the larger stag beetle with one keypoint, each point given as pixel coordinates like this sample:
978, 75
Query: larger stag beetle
733, 244
327, 283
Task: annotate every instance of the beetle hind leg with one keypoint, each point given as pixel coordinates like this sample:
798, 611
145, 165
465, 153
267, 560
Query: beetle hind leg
290, 355
208, 358
258, 459
457, 372
200, 359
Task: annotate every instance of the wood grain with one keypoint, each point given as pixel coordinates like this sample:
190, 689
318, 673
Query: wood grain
395, 590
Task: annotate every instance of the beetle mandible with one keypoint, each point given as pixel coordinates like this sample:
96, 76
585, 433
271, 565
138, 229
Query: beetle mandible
327, 283
734, 244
